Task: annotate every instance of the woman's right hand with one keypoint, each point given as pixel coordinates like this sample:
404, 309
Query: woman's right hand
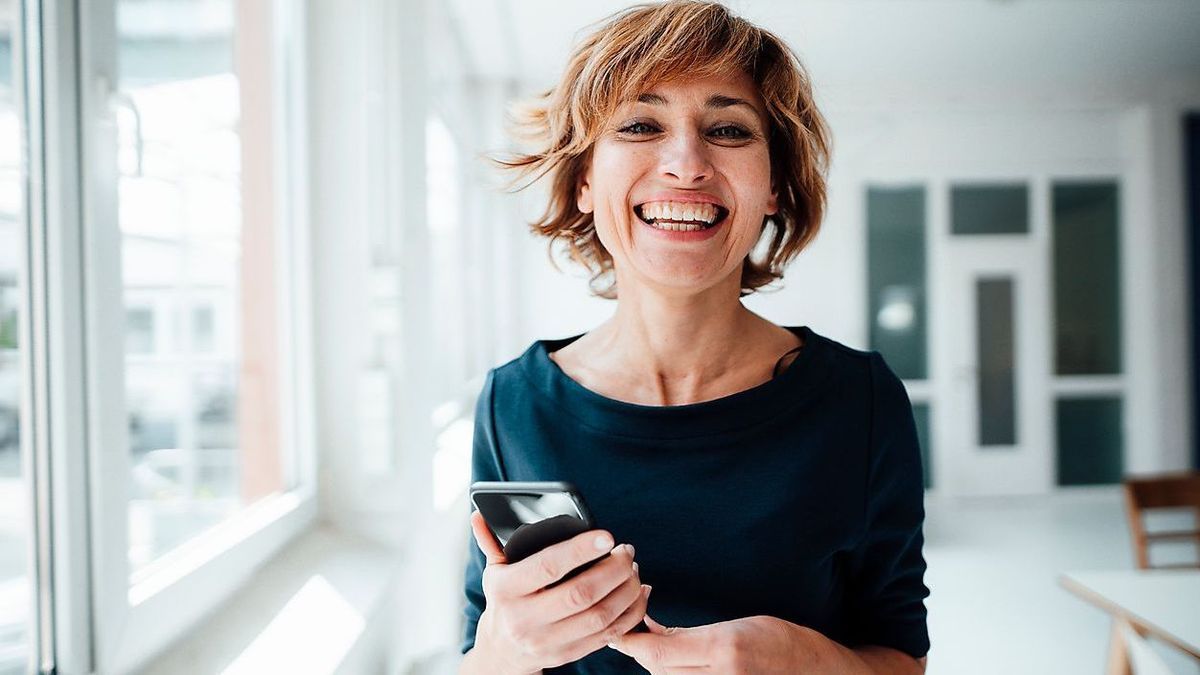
530, 627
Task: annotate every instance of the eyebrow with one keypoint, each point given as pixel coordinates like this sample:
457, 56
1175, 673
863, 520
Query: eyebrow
714, 101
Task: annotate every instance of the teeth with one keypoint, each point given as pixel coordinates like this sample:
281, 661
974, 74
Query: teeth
676, 227
682, 213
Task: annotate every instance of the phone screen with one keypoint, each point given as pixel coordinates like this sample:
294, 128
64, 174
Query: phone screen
506, 512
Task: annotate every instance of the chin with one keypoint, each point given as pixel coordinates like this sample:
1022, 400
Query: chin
681, 282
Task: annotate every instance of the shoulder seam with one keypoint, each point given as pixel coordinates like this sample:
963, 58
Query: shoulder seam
491, 424
857, 353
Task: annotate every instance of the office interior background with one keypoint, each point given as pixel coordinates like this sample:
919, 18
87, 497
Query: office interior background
254, 266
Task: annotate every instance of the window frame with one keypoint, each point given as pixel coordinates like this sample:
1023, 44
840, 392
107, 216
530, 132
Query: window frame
100, 622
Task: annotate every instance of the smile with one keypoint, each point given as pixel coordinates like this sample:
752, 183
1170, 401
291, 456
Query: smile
681, 216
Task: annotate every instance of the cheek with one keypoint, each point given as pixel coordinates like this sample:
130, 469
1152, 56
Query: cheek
606, 197
753, 186
614, 171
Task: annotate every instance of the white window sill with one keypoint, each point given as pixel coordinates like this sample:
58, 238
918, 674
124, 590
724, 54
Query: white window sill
322, 605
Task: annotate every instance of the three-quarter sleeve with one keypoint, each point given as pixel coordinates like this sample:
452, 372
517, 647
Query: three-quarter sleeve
886, 585
485, 465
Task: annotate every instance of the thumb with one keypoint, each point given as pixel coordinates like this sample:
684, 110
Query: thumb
656, 627
486, 540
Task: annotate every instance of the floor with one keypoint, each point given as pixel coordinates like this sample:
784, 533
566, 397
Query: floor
995, 605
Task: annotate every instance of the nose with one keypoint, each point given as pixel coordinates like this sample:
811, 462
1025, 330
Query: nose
685, 159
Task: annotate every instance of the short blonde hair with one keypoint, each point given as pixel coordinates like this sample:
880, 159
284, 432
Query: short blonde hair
647, 44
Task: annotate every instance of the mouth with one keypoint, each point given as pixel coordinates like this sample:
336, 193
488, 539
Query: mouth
681, 216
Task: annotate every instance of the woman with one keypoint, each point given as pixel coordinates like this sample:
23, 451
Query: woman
764, 481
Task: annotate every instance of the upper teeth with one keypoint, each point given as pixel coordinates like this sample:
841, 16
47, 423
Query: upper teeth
680, 211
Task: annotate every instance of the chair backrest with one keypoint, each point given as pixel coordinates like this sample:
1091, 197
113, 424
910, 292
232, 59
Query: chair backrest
1180, 490
1143, 660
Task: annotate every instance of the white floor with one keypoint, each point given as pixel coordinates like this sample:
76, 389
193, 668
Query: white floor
995, 605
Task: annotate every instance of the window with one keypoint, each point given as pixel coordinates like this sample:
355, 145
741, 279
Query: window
1090, 446
448, 257
1087, 298
1087, 331
989, 209
897, 308
896, 278
148, 320
995, 345
196, 212
15, 516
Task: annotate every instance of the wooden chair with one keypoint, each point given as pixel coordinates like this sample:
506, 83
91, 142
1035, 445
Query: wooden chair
1181, 490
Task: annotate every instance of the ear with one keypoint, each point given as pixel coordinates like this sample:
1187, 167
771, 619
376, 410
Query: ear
583, 191
773, 200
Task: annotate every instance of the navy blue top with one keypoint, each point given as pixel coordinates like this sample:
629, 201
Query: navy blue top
800, 498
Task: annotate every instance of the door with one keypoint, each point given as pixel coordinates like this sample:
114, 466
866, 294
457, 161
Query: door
995, 330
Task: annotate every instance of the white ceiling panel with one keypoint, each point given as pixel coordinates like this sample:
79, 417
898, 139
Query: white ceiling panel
862, 44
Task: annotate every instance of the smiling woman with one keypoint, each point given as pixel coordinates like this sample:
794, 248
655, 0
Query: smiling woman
768, 479
613, 71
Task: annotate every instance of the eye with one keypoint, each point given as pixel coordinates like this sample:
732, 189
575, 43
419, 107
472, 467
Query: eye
638, 129
730, 132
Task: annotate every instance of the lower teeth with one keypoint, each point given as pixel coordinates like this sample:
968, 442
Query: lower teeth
677, 227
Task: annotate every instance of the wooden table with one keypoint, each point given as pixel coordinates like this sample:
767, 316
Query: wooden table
1164, 604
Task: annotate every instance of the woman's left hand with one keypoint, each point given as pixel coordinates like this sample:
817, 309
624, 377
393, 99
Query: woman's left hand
756, 644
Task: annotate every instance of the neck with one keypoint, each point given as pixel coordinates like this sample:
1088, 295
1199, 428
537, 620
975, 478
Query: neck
680, 342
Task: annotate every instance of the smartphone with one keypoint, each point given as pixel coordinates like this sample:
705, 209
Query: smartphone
526, 517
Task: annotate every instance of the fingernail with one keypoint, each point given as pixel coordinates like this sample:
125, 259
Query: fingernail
604, 543
631, 550
647, 588
635, 567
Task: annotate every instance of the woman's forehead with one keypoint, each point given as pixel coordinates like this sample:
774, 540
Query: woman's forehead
717, 92
738, 84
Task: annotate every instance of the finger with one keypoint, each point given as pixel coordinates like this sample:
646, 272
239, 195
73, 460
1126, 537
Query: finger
598, 624
580, 593
623, 623
486, 540
579, 636
553, 562
682, 647
656, 627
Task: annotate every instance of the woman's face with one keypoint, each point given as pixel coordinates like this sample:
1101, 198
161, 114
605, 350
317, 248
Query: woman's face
679, 182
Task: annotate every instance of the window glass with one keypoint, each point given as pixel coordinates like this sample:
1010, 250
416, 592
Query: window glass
921, 418
197, 217
1087, 298
896, 277
449, 263
1090, 441
15, 515
997, 376
989, 209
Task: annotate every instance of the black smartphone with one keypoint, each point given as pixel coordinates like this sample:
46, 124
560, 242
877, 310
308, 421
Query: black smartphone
526, 517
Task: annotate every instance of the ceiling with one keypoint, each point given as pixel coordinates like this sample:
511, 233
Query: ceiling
873, 45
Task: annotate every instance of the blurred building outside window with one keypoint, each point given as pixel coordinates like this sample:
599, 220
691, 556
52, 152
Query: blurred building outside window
198, 221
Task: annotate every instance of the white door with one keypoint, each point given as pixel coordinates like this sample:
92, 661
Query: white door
995, 330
